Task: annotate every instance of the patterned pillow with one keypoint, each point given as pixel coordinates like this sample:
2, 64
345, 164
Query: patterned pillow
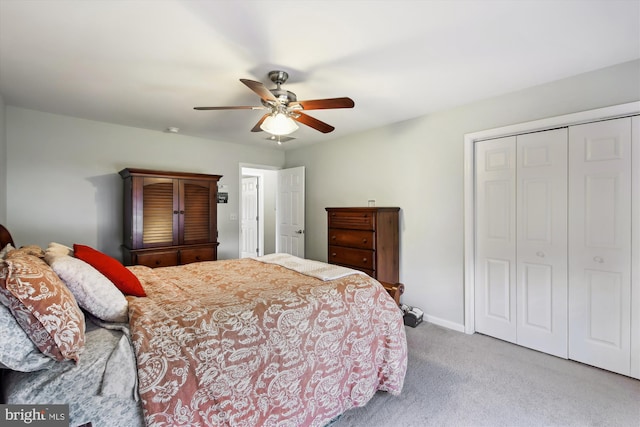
34, 250
93, 291
17, 351
43, 306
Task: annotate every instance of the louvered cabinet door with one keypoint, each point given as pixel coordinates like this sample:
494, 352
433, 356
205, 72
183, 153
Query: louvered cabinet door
197, 219
160, 212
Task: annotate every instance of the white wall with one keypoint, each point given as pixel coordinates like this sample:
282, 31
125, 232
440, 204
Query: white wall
418, 166
3, 165
63, 182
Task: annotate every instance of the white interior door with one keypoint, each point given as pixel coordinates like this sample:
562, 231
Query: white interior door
600, 244
249, 244
495, 267
635, 248
290, 212
542, 241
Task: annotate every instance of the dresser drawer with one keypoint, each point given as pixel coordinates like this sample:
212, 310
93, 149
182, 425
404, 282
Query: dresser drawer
352, 219
188, 256
360, 239
368, 272
157, 259
358, 258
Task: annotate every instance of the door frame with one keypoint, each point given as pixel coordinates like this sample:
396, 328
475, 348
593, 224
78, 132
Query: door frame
616, 111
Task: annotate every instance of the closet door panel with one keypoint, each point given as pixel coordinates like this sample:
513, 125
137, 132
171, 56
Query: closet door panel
600, 244
535, 294
542, 241
495, 302
497, 292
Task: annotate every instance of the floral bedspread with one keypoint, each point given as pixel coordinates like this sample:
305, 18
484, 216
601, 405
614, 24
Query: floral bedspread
245, 343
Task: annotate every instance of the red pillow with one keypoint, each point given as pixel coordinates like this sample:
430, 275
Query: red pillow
124, 279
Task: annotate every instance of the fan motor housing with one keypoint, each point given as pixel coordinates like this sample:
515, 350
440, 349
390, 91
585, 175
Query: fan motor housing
278, 77
284, 96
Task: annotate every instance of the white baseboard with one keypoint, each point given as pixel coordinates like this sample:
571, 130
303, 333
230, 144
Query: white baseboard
444, 323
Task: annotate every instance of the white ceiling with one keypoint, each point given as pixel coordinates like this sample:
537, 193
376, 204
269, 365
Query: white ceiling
147, 63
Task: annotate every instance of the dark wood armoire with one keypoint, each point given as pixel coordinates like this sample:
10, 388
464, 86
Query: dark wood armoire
170, 218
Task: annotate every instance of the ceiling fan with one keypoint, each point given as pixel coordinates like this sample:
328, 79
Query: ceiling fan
284, 109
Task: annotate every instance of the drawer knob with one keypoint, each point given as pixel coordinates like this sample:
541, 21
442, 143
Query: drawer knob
333, 237
333, 254
364, 240
364, 260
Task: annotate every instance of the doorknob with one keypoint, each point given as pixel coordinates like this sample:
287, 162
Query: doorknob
299, 231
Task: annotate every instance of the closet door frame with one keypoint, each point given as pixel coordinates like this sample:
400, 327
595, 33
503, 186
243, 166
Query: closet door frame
616, 111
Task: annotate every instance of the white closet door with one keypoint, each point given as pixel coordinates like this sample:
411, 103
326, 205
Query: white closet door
635, 248
600, 244
542, 241
495, 295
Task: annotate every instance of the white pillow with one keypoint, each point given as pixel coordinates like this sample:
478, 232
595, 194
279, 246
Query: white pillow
56, 250
93, 291
6, 250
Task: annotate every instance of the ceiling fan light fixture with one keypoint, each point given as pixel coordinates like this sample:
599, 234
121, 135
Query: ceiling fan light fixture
283, 108
279, 124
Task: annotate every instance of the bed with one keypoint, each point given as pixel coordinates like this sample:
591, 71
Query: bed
274, 340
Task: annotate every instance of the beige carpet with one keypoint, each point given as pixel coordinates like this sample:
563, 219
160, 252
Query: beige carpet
455, 379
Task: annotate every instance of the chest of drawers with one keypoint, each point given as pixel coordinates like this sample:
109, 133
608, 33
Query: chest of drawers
365, 239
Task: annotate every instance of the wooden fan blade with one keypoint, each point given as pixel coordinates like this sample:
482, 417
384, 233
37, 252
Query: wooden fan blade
256, 128
239, 107
325, 104
312, 122
260, 89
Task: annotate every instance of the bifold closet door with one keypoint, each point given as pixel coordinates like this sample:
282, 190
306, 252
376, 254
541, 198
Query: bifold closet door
600, 244
495, 266
541, 260
521, 240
